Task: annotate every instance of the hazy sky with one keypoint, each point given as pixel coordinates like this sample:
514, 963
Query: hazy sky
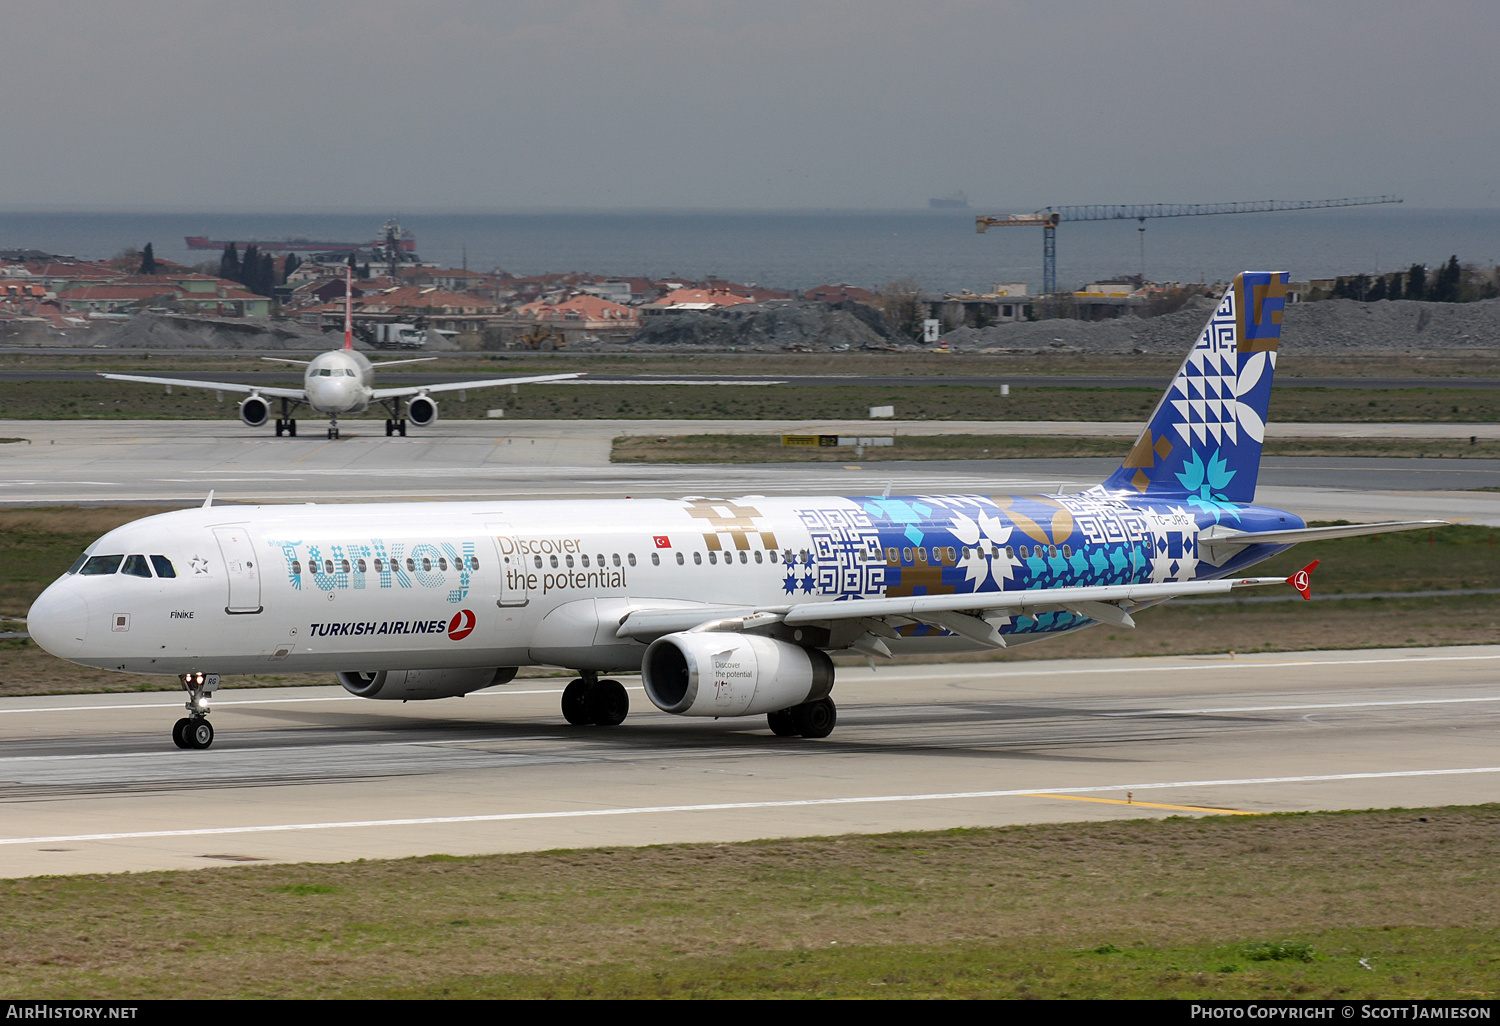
463, 104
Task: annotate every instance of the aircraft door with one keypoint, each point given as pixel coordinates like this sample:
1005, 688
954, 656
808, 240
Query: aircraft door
240, 569
514, 589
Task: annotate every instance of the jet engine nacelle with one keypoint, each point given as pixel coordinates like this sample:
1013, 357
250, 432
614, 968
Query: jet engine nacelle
254, 410
723, 674
418, 685
421, 411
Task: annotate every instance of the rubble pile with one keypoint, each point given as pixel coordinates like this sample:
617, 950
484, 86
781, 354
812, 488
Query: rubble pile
1336, 326
164, 331
792, 326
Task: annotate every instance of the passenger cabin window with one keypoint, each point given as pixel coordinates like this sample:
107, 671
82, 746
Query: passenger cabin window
773, 555
630, 558
344, 565
656, 559
697, 558
97, 566
758, 556
473, 562
679, 559
136, 566
538, 561
713, 557
360, 564
297, 566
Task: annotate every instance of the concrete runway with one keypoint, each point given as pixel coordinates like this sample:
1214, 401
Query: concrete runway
92, 783
170, 462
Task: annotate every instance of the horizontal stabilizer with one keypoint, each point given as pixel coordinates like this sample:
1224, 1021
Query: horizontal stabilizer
1219, 543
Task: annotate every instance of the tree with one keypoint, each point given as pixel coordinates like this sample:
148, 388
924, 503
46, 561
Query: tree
1445, 283
1416, 282
1393, 291
229, 263
1376, 291
290, 264
148, 261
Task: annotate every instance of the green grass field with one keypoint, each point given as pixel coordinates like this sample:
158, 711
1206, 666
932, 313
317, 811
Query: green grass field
768, 448
1281, 906
111, 400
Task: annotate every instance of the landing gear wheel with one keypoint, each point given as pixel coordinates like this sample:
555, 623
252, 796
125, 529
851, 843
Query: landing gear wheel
390, 427
782, 723
280, 427
401, 428
606, 703
179, 732
573, 708
198, 734
291, 428
815, 719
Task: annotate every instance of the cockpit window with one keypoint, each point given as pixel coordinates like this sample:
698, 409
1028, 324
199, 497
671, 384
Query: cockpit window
325, 373
98, 565
78, 563
136, 566
164, 567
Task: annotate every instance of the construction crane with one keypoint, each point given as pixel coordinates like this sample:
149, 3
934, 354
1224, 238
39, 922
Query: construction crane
1049, 218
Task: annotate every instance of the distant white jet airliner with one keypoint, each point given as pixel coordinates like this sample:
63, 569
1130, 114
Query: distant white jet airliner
726, 607
338, 383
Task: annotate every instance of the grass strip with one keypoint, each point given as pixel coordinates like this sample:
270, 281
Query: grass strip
118, 400
1374, 904
768, 448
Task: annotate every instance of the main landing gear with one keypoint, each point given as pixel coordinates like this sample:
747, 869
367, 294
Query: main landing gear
287, 425
194, 730
591, 701
395, 427
810, 719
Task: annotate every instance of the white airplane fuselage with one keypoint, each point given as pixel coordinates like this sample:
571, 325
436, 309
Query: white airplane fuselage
339, 382
365, 588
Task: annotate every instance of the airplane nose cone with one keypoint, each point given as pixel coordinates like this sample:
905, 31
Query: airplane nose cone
58, 621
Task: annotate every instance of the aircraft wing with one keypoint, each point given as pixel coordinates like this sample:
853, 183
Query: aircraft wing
964, 615
459, 386
217, 386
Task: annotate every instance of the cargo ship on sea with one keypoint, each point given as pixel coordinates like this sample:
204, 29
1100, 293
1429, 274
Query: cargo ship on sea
405, 242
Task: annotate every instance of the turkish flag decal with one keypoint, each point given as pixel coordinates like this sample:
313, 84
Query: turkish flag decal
663, 542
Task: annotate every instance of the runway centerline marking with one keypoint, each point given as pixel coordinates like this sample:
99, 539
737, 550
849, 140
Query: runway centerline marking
511, 817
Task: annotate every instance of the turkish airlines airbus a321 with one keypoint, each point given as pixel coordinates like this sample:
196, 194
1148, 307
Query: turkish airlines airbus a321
341, 382
727, 607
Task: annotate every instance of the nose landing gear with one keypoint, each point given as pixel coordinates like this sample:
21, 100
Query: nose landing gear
333, 428
194, 730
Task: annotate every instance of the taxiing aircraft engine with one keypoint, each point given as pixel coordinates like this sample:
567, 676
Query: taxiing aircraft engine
723, 674
421, 411
418, 685
254, 410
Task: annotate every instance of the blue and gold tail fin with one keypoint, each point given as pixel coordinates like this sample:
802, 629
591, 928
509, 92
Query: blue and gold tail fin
1202, 444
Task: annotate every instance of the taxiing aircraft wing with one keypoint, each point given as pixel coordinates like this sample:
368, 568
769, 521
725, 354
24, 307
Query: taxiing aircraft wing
964, 615
459, 386
217, 386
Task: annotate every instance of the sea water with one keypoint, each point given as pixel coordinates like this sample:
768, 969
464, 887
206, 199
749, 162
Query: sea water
800, 249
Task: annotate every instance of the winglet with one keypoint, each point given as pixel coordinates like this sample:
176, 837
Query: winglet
1302, 580
210, 500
